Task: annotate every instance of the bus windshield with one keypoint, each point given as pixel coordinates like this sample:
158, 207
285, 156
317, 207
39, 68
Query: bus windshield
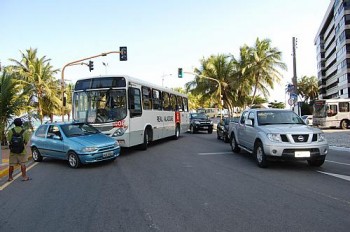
100, 106
320, 110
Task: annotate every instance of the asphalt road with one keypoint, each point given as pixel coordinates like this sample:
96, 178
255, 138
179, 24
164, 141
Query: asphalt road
192, 184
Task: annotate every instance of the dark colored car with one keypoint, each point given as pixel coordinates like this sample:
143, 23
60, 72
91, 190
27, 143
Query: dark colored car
223, 126
200, 122
78, 143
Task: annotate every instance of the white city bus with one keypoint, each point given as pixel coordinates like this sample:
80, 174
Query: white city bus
132, 111
330, 113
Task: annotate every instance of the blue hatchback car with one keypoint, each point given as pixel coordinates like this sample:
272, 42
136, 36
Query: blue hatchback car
79, 143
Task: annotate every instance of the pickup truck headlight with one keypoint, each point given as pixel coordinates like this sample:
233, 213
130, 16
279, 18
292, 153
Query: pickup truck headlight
274, 137
196, 122
321, 137
211, 122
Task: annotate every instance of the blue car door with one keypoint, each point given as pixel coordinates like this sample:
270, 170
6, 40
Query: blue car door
55, 142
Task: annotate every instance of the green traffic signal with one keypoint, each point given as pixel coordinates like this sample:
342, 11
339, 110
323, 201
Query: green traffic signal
179, 73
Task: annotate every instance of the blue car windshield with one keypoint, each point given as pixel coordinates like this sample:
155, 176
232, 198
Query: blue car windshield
79, 129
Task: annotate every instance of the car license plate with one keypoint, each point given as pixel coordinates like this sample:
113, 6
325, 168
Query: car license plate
107, 154
302, 154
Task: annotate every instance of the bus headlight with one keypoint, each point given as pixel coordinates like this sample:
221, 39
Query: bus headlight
119, 132
274, 137
116, 144
321, 137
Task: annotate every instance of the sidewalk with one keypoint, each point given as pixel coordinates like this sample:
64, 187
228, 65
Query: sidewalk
4, 164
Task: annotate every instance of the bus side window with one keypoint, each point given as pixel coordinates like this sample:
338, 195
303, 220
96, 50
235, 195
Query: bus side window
166, 101
172, 102
146, 98
332, 110
135, 102
156, 100
185, 104
179, 103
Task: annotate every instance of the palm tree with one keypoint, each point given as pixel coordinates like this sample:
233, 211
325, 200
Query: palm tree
264, 63
219, 68
241, 83
308, 88
12, 100
36, 76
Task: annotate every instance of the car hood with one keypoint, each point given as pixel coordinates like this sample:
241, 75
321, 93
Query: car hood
290, 129
93, 140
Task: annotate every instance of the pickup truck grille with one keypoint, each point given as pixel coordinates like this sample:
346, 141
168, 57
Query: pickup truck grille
298, 138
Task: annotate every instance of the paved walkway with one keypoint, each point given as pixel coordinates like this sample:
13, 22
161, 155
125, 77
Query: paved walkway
4, 164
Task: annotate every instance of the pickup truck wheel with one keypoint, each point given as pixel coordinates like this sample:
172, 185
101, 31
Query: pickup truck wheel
210, 131
218, 136
260, 155
316, 163
234, 145
226, 140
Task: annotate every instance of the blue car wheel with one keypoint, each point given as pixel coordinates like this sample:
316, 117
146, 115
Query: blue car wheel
73, 160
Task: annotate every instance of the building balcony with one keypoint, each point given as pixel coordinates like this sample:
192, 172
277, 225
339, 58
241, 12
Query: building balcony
331, 70
329, 29
331, 59
329, 39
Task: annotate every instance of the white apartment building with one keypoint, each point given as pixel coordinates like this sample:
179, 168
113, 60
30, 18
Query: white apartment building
333, 51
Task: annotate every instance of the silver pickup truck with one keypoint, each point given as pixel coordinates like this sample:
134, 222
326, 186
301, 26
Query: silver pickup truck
271, 134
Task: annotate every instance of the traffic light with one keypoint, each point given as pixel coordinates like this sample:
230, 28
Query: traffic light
91, 65
179, 72
123, 55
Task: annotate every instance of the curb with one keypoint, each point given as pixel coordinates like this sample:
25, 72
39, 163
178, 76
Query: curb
5, 172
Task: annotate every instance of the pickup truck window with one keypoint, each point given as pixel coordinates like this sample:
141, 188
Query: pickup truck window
278, 117
244, 114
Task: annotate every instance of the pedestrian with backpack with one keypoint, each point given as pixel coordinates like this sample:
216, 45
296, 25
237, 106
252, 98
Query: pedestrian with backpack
18, 138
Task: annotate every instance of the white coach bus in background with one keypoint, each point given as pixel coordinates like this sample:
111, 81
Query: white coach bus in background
330, 113
132, 111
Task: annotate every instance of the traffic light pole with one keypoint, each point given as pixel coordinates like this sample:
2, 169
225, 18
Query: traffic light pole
76, 63
201, 76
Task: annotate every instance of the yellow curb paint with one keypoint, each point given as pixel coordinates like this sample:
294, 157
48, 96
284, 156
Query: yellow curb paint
16, 177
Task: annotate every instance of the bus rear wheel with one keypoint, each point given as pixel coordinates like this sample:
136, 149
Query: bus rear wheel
144, 145
344, 124
177, 132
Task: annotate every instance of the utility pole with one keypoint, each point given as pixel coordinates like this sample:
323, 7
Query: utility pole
294, 79
294, 94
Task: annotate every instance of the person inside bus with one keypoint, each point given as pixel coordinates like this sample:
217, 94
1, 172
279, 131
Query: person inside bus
330, 112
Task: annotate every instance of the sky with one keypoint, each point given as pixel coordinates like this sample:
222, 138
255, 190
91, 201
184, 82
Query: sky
160, 36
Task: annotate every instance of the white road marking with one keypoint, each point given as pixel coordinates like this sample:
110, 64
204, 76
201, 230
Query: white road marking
337, 162
344, 177
16, 177
215, 153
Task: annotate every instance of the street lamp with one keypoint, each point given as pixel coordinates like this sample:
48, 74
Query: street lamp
75, 63
164, 75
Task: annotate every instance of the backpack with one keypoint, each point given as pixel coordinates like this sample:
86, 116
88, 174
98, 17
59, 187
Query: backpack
17, 142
